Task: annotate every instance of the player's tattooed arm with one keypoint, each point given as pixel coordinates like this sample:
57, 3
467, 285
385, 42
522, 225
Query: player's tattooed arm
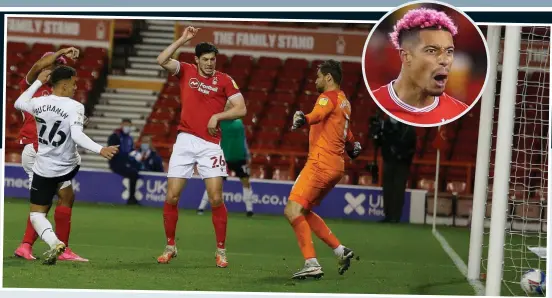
49, 60
164, 59
24, 101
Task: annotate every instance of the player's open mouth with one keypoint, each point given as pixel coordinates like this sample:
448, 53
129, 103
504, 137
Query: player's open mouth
440, 79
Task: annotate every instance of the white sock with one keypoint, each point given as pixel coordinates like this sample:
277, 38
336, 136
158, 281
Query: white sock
44, 229
312, 262
248, 199
338, 251
204, 201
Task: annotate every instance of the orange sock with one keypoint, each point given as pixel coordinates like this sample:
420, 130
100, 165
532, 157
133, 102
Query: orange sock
304, 237
321, 230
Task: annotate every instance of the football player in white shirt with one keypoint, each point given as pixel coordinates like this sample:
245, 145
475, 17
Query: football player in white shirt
59, 121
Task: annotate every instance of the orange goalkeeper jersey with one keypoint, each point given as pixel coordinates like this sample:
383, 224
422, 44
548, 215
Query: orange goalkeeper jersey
329, 129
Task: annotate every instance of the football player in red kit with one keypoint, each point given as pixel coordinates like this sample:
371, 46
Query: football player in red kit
424, 39
28, 137
204, 93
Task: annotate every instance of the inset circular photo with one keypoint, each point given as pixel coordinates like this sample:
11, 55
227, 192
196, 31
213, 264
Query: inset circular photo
425, 64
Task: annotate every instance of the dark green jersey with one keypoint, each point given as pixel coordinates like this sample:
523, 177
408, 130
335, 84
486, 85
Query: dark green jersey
233, 142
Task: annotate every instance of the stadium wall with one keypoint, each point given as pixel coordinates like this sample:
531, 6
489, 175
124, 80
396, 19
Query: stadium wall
343, 202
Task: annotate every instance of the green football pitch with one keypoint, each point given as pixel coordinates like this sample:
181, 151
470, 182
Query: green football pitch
122, 243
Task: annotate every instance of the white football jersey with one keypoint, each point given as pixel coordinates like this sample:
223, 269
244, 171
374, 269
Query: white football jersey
57, 151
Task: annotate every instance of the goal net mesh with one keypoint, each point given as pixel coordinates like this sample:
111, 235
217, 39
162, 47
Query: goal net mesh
525, 233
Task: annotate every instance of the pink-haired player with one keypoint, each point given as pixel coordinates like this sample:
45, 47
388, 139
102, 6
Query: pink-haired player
28, 136
424, 39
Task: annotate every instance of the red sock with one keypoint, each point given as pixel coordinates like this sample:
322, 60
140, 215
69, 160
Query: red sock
62, 217
220, 221
170, 218
30, 235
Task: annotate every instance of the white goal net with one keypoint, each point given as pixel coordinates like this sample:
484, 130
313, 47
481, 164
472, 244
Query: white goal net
526, 212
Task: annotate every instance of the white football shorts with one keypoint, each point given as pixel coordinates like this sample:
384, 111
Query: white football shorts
27, 161
189, 150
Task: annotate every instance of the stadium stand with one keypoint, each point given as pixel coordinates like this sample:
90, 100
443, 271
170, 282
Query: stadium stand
274, 88
92, 68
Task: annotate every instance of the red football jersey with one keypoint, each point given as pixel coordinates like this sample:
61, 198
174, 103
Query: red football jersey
28, 133
201, 98
443, 108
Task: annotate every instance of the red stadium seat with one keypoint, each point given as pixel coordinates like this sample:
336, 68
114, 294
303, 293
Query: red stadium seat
17, 47
241, 61
287, 86
282, 98
264, 73
291, 74
256, 95
295, 63
90, 52
261, 85
269, 62
41, 48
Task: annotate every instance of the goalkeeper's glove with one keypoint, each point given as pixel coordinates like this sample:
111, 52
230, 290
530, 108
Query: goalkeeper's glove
353, 153
299, 120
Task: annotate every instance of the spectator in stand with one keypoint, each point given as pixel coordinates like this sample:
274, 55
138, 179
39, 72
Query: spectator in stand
146, 158
121, 163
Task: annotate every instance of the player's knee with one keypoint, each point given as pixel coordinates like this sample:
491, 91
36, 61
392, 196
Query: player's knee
173, 197
292, 210
216, 200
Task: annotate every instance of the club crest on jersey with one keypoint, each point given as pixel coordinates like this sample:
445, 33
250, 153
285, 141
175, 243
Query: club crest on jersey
323, 101
201, 87
215, 80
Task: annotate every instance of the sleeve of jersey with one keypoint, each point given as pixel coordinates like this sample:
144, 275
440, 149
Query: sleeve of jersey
323, 107
24, 101
232, 89
23, 85
181, 69
77, 134
350, 140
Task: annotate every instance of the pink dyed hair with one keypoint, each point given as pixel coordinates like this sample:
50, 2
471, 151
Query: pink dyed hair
422, 18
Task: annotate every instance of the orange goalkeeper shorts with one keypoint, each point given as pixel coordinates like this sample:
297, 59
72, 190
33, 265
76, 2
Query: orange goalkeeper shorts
313, 184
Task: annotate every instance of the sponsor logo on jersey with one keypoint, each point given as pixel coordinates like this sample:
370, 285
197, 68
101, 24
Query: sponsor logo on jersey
201, 87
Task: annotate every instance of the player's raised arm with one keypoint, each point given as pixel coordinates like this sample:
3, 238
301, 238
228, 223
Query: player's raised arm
77, 134
48, 60
164, 59
24, 102
321, 110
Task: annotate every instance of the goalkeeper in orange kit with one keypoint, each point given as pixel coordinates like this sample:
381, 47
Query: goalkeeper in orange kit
329, 138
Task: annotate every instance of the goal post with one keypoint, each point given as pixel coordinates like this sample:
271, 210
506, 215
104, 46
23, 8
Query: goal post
500, 195
508, 233
483, 156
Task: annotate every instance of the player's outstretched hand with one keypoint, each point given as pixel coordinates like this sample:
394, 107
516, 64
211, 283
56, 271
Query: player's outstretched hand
189, 33
44, 76
298, 120
71, 52
212, 126
109, 152
354, 153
